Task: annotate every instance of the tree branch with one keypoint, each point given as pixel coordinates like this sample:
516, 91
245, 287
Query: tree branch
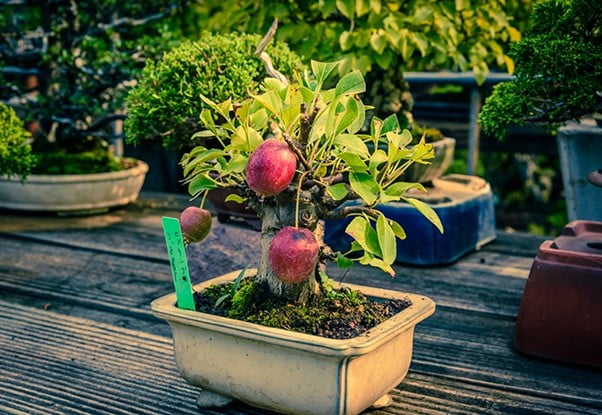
351, 210
297, 151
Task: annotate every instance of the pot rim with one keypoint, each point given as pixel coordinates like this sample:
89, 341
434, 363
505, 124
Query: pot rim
421, 308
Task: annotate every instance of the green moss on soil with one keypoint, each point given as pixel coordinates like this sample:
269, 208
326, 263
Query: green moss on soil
340, 313
58, 162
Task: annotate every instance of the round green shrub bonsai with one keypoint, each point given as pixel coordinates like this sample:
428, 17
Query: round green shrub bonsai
558, 74
165, 103
15, 151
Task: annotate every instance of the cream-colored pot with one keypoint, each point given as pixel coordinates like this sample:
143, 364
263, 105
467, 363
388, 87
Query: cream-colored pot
73, 192
289, 372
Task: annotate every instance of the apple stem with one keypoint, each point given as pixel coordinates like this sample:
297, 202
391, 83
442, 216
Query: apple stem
299, 198
203, 199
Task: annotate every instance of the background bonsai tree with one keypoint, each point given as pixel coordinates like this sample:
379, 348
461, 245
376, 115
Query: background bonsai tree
383, 38
558, 74
297, 155
165, 105
15, 151
84, 55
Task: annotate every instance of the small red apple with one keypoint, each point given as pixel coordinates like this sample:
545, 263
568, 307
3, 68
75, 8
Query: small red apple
293, 254
271, 167
195, 223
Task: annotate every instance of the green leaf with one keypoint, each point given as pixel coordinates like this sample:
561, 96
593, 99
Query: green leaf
352, 143
355, 163
395, 191
337, 191
397, 229
233, 197
376, 127
238, 279
375, 262
362, 7
346, 7
221, 300
365, 186
378, 41
322, 70
360, 230
377, 158
201, 183
386, 239
391, 123
346, 41
342, 261
350, 84
349, 115
426, 211
357, 125
375, 5
271, 101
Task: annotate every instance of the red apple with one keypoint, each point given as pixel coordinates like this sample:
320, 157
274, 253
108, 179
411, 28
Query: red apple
195, 223
293, 254
271, 168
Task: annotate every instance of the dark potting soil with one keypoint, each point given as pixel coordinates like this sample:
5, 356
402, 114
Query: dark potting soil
338, 314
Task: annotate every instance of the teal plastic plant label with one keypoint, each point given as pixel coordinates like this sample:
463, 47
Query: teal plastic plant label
179, 262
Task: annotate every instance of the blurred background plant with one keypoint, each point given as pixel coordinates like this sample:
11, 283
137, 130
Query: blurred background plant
15, 151
67, 65
383, 38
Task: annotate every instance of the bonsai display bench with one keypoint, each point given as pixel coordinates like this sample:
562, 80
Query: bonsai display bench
77, 335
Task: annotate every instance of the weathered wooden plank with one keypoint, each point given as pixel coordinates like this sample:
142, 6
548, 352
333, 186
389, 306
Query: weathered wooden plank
106, 280
54, 364
58, 364
478, 349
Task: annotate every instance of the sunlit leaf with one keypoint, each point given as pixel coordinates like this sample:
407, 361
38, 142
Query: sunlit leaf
352, 83
365, 186
338, 191
386, 239
426, 211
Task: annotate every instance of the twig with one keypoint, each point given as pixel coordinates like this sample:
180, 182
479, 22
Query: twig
267, 61
297, 151
351, 210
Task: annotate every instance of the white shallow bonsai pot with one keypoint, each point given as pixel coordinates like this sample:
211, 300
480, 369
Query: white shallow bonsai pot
290, 372
73, 192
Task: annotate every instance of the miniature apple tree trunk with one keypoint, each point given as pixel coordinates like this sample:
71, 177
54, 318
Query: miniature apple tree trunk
298, 155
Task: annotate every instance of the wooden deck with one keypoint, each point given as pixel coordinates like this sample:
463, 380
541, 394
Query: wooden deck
77, 335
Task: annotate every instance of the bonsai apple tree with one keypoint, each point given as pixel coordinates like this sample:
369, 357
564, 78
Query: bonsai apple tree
298, 155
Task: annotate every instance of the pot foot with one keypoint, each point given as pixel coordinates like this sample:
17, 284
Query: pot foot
383, 402
209, 399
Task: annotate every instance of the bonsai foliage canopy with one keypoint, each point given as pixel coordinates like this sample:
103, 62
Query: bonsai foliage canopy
336, 163
164, 104
558, 75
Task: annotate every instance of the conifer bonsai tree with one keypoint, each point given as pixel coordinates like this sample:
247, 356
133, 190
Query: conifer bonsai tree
84, 56
296, 153
558, 75
165, 103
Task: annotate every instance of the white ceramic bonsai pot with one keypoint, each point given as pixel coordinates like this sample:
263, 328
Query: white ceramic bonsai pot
73, 192
289, 372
